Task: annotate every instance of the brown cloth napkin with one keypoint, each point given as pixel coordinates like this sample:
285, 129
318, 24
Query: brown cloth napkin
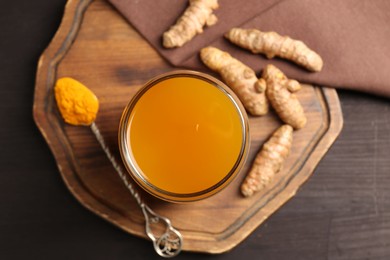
352, 36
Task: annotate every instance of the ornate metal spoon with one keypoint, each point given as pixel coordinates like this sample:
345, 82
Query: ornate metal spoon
168, 244
78, 105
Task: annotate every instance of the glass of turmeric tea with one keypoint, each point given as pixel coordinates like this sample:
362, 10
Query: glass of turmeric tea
184, 136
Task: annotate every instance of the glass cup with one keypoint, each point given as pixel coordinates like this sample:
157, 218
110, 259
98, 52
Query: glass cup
184, 136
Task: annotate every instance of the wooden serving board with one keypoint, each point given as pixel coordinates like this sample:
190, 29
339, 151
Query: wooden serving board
96, 46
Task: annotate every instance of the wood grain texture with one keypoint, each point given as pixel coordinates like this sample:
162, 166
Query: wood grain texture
96, 46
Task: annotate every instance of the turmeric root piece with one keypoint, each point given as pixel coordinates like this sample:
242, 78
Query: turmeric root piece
273, 72
268, 161
198, 14
272, 44
285, 103
239, 77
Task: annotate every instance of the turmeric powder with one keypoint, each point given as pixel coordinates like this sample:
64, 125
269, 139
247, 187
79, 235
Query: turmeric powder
281, 98
272, 44
268, 161
239, 77
198, 14
77, 104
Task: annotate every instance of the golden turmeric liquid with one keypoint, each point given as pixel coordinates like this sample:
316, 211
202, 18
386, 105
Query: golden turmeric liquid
185, 135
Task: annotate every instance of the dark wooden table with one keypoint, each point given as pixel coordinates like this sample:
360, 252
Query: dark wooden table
342, 212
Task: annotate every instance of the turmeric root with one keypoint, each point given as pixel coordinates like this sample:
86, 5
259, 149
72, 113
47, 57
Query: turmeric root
198, 14
272, 44
273, 72
239, 77
285, 103
268, 161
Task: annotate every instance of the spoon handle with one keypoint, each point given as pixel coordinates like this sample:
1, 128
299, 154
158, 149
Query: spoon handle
169, 243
